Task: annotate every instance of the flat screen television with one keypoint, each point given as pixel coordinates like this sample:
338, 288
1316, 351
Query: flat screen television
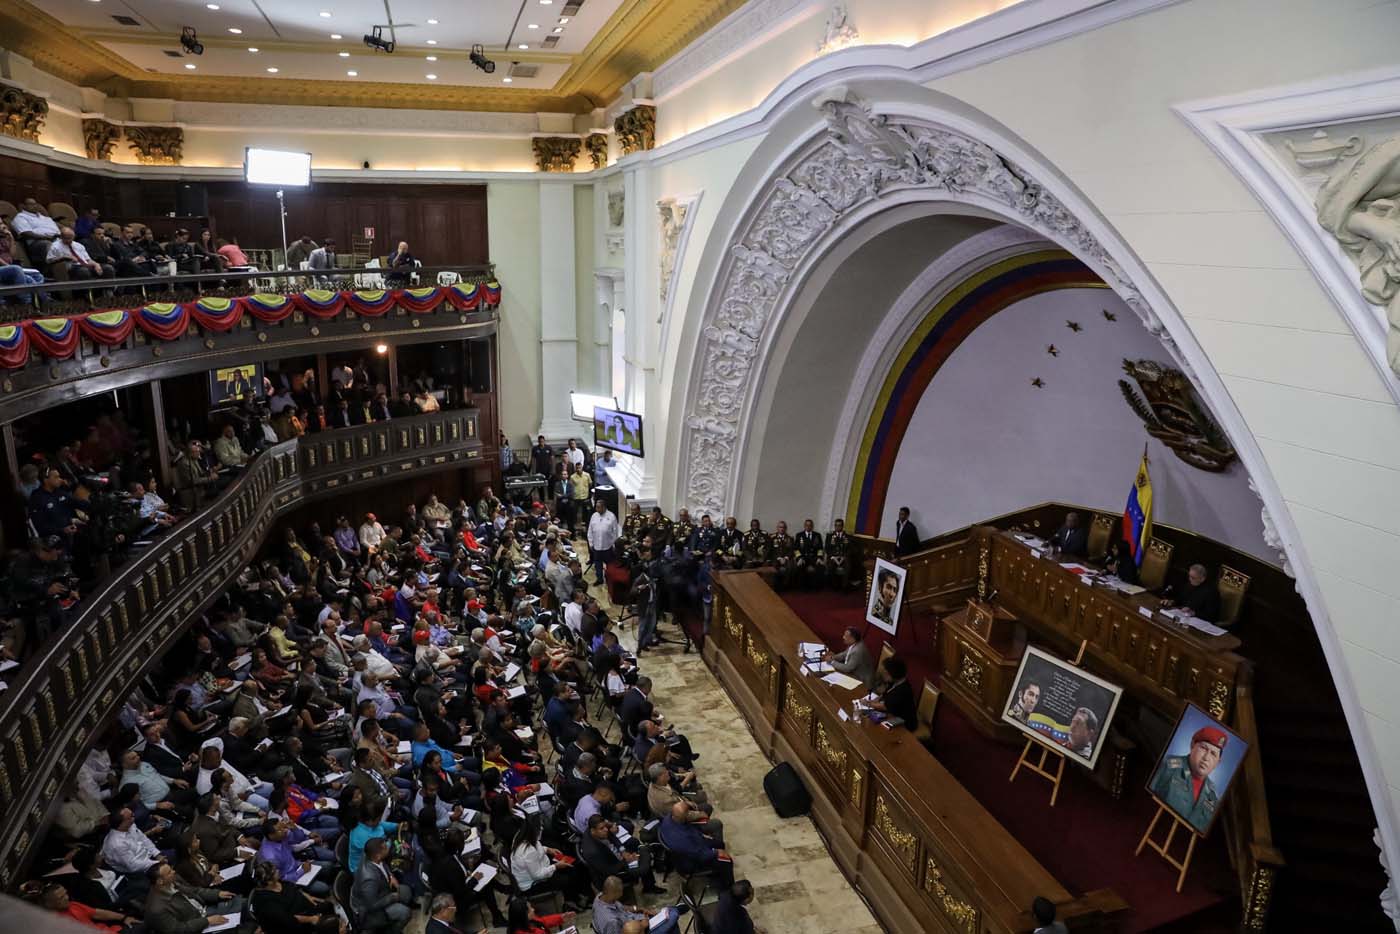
617, 430
230, 385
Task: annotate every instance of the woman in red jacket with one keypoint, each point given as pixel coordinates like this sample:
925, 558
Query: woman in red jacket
521, 919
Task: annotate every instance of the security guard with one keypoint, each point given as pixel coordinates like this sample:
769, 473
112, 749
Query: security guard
838, 548
658, 526
731, 543
682, 531
809, 568
781, 549
758, 548
1183, 783
706, 537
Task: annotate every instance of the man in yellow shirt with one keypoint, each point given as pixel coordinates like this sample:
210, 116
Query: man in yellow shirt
581, 486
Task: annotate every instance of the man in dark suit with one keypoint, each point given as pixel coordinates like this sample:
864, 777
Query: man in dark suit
1072, 538
376, 900
450, 876
605, 856
691, 849
444, 914
636, 705
172, 907
906, 536
162, 758
898, 698
373, 787
1199, 596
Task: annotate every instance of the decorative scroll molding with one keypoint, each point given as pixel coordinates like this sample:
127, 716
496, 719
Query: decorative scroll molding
674, 212
556, 153
839, 31
100, 138
156, 145
1390, 902
1174, 416
799, 711
636, 129
1272, 538
597, 146
861, 156
902, 841
22, 114
961, 913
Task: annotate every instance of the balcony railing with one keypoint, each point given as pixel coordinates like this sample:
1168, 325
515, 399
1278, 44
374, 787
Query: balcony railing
66, 694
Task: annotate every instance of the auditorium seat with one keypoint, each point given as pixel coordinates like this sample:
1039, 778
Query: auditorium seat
1153, 573
7, 211
62, 212
1232, 586
928, 705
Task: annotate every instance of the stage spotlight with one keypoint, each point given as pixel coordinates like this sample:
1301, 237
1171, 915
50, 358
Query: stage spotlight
479, 59
190, 41
375, 40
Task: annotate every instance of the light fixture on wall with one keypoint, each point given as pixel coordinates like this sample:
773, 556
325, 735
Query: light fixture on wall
381, 348
190, 41
479, 59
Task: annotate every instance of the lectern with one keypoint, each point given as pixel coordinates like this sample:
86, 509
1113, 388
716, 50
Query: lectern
981, 650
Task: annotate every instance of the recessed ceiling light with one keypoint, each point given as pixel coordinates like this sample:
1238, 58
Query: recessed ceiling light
190, 65
252, 48
344, 54
563, 20
325, 14
522, 46
212, 6
335, 35
432, 42
272, 71
432, 22
432, 58
533, 26
431, 77
558, 29
235, 30
546, 2
507, 80
353, 74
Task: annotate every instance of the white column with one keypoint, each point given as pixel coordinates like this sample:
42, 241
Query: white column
609, 297
637, 476
558, 324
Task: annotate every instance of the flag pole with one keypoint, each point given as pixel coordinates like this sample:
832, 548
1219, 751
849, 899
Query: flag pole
1144, 453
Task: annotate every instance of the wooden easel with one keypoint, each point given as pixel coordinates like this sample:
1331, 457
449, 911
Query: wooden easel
1164, 848
1040, 768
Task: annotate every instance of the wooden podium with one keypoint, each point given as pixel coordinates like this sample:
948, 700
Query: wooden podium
981, 648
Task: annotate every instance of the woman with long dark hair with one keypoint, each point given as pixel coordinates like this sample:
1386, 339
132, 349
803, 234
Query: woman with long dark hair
537, 868
288, 909
522, 919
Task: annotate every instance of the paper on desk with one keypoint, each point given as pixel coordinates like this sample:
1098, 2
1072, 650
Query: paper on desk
264, 744
841, 712
230, 921
511, 671
232, 872
488, 872
404, 746
651, 824
246, 851
546, 790
309, 876
468, 815
474, 844
278, 713
810, 648
465, 742
531, 805
1145, 611
237, 663
622, 835
816, 668
517, 691
1076, 568
841, 681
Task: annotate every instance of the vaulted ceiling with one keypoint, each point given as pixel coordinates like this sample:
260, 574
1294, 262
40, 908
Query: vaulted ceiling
559, 55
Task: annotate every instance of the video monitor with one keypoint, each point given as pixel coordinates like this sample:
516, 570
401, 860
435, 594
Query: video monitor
617, 431
230, 385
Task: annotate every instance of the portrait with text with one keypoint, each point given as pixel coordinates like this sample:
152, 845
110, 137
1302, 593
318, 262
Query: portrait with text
1062, 707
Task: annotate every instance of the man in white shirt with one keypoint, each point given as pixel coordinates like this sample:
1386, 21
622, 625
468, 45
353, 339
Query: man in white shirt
371, 534
80, 265
573, 455
603, 533
126, 849
35, 229
573, 612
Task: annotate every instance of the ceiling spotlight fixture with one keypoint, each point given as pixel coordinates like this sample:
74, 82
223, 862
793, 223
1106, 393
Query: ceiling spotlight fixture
375, 40
212, 6
563, 20
353, 74
190, 65
479, 59
432, 22
431, 77
272, 71
507, 80
381, 348
546, 2
235, 30
335, 35
325, 14
558, 30
432, 42
533, 26
432, 58
344, 54
190, 41
252, 48
522, 46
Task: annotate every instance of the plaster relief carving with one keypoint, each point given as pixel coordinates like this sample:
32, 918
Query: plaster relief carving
839, 32
636, 129
1360, 206
1174, 416
597, 146
100, 138
862, 155
673, 219
556, 153
617, 201
22, 114
156, 145
1272, 538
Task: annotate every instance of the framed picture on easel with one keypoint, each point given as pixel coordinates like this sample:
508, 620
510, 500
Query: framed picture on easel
1061, 706
1196, 768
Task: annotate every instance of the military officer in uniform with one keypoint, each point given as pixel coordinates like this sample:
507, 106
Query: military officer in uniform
758, 548
682, 531
781, 551
731, 544
658, 526
1183, 783
809, 568
838, 564
706, 541
634, 524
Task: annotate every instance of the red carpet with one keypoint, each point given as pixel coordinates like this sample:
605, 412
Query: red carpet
1087, 839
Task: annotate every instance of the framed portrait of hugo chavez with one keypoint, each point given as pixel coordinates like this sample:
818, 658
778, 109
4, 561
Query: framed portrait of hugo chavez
1061, 706
1196, 768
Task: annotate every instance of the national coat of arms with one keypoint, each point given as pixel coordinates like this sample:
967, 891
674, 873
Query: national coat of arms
1173, 415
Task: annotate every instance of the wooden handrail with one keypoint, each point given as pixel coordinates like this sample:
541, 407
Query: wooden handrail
1248, 829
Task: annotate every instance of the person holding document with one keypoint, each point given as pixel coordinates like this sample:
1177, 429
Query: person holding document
854, 659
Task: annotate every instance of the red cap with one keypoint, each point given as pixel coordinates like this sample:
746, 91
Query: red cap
421, 636
1210, 734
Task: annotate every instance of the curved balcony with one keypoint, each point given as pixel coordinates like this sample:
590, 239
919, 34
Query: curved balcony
71, 689
68, 349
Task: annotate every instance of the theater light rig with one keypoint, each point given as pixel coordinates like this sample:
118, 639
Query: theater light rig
479, 59
375, 40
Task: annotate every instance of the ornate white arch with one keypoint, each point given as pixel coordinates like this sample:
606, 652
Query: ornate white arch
905, 143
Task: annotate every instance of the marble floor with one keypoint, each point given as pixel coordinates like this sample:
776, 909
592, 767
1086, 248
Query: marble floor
797, 886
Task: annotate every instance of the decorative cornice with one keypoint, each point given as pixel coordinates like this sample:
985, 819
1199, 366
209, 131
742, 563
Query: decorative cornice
156, 145
636, 129
22, 114
597, 146
100, 138
556, 153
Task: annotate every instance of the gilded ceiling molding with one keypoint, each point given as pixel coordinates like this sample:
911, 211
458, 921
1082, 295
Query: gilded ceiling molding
597, 146
100, 138
156, 145
636, 129
22, 114
556, 153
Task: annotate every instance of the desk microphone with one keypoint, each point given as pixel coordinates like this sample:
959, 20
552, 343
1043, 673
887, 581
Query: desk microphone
992, 597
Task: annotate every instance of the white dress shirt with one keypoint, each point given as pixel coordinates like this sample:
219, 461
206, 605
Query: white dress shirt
371, 534
603, 531
74, 252
573, 616
530, 865
40, 225
129, 850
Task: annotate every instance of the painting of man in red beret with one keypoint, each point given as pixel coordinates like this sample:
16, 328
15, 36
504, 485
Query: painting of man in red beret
1196, 768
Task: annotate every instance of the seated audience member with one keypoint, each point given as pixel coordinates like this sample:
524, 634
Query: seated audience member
228, 449
288, 909
130, 258
1043, 910
55, 898
234, 257
400, 262
664, 791
1197, 596
73, 256
377, 901
691, 849
90, 220
610, 915
34, 229
605, 855
187, 258
451, 876
300, 252
537, 868
732, 913
854, 659
898, 698
12, 272
1072, 538
127, 849
1120, 562
172, 907
522, 919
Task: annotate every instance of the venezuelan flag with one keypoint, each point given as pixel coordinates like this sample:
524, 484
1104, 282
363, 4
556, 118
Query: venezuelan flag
1137, 515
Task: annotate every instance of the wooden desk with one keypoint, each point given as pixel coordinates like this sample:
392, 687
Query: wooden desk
912, 839
1162, 664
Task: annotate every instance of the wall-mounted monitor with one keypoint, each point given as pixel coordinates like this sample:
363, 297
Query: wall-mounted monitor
618, 431
276, 167
230, 385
